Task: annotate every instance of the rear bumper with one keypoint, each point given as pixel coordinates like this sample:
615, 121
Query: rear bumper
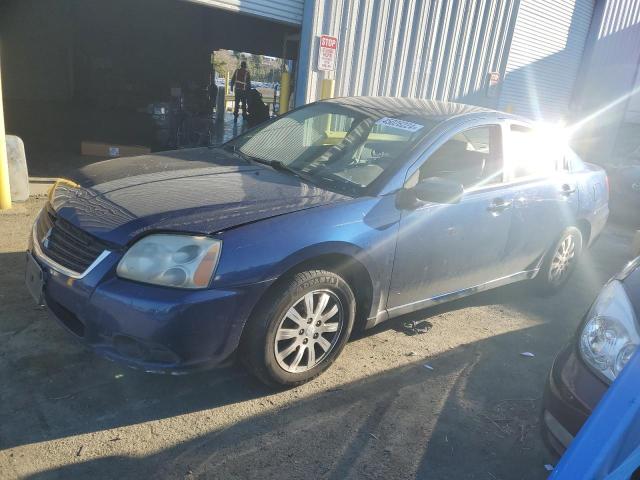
155, 329
571, 393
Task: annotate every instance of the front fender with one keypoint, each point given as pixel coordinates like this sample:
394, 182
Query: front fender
364, 229
327, 248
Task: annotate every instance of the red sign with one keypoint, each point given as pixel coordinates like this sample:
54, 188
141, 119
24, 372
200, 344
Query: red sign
328, 47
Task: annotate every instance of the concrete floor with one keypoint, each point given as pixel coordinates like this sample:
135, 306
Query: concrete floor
377, 413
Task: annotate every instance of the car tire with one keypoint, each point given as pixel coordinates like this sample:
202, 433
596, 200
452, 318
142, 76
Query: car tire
559, 262
299, 329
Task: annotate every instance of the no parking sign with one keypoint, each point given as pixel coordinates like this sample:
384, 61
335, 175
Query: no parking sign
328, 47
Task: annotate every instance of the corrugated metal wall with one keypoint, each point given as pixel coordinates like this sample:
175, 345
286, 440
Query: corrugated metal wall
436, 49
545, 57
286, 11
607, 80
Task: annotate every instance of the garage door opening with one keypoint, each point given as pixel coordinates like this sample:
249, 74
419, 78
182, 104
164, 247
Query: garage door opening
265, 72
88, 70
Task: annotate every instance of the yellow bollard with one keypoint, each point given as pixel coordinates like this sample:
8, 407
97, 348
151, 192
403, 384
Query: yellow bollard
285, 91
5, 190
328, 87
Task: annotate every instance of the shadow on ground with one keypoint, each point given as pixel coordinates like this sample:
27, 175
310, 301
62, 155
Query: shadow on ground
408, 422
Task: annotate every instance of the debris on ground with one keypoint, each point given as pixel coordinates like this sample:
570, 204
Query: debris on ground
426, 365
417, 327
527, 354
548, 467
412, 354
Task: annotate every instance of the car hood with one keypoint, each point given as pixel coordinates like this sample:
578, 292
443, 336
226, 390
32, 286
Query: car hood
200, 191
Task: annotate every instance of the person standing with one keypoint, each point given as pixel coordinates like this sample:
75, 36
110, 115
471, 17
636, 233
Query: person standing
241, 83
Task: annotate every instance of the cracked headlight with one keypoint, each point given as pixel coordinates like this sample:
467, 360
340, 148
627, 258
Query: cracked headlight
610, 335
181, 261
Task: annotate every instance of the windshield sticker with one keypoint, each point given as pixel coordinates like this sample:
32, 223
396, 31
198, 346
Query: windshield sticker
399, 124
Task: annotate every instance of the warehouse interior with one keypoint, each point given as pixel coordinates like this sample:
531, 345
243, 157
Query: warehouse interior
75, 70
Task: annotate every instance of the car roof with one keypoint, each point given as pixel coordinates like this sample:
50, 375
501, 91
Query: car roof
428, 109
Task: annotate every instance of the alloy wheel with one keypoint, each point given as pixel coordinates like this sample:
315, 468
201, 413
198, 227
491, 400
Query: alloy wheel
563, 259
308, 331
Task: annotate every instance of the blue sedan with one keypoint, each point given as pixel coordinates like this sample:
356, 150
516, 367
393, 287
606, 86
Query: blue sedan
277, 245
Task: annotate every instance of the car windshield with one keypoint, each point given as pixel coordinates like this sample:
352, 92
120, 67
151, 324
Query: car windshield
339, 148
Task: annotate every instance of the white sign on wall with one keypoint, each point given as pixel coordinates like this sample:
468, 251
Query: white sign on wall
327, 49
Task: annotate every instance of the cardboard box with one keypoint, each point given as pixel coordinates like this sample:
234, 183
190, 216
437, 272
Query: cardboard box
99, 149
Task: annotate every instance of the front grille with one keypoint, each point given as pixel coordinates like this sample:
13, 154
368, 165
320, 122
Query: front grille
65, 243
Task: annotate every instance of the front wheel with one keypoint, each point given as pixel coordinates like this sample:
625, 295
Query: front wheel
297, 332
560, 262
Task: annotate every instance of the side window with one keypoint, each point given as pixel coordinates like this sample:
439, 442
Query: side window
472, 158
531, 155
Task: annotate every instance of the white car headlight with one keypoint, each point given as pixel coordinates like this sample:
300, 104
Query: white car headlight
610, 336
171, 260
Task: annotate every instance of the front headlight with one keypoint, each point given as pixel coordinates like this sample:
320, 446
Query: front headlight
171, 260
610, 336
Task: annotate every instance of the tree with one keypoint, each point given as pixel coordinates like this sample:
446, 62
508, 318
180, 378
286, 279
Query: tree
255, 65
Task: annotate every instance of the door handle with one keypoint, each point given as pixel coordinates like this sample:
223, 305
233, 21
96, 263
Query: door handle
567, 189
499, 205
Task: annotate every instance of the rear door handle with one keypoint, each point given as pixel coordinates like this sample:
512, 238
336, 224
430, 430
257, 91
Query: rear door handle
567, 189
499, 205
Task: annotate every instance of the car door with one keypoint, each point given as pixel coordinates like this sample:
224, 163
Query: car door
444, 248
546, 194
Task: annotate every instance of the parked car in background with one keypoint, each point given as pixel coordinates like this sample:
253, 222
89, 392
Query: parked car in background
584, 369
338, 215
624, 181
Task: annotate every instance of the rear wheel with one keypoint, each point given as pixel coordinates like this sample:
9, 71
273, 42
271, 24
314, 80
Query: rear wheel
560, 262
300, 329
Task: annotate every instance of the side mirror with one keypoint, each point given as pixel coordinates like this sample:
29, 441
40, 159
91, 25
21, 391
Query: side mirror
432, 190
